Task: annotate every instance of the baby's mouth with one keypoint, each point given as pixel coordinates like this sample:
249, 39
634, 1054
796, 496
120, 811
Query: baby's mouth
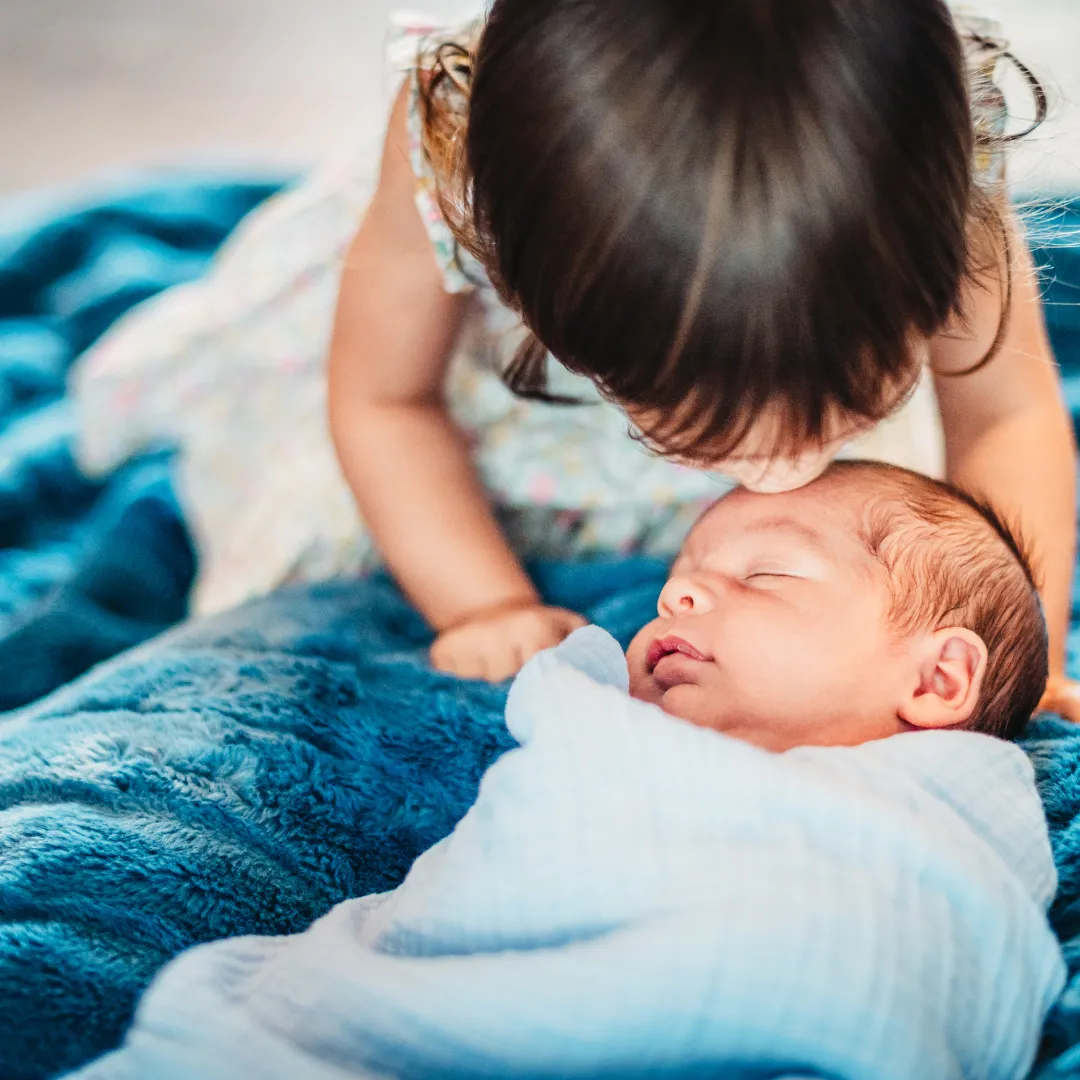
664, 647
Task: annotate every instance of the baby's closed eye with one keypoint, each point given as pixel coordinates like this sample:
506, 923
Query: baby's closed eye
771, 574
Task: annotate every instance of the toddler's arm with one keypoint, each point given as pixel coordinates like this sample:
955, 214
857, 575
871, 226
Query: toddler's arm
1008, 437
403, 457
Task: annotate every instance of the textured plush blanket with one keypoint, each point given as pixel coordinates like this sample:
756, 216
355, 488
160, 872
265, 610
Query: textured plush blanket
237, 776
88, 569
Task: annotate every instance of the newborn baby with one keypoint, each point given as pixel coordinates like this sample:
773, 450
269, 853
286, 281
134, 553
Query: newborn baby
872, 602
635, 896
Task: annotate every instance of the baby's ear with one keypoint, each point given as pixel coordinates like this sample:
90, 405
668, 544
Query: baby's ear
951, 666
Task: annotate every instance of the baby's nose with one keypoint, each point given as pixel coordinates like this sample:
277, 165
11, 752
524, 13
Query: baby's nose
685, 595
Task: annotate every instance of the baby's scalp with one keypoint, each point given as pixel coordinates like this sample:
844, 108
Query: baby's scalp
951, 561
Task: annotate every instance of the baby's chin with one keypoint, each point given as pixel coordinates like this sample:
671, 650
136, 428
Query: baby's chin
685, 702
692, 705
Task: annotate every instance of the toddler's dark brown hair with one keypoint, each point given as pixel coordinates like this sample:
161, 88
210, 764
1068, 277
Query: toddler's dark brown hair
719, 208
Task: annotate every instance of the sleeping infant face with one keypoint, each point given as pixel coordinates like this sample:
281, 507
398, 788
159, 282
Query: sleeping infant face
866, 604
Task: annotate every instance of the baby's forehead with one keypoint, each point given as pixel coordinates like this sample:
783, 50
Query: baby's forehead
837, 511
808, 513
837, 501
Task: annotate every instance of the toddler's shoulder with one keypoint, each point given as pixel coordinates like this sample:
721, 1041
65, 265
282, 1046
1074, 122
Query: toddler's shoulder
416, 45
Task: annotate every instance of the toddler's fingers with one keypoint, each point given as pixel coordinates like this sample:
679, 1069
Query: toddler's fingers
451, 661
474, 664
559, 632
568, 623
504, 664
527, 651
437, 657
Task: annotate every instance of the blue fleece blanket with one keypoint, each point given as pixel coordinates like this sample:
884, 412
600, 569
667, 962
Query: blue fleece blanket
87, 569
244, 775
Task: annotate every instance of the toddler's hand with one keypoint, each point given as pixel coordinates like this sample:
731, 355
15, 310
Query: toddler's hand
1062, 697
495, 646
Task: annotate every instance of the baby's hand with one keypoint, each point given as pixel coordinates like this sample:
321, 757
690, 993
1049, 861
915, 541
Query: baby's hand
495, 646
1062, 697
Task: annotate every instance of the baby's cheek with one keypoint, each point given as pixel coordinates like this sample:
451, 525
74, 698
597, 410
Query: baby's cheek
639, 647
643, 688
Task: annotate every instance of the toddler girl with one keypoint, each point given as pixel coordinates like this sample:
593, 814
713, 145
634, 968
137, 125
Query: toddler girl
755, 229
618, 256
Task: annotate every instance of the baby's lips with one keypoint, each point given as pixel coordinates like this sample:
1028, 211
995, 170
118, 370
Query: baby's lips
669, 646
676, 670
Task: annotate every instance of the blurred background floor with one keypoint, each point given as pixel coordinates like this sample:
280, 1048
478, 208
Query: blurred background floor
97, 84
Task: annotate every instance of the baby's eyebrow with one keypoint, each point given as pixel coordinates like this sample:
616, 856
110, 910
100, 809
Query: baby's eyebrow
807, 533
